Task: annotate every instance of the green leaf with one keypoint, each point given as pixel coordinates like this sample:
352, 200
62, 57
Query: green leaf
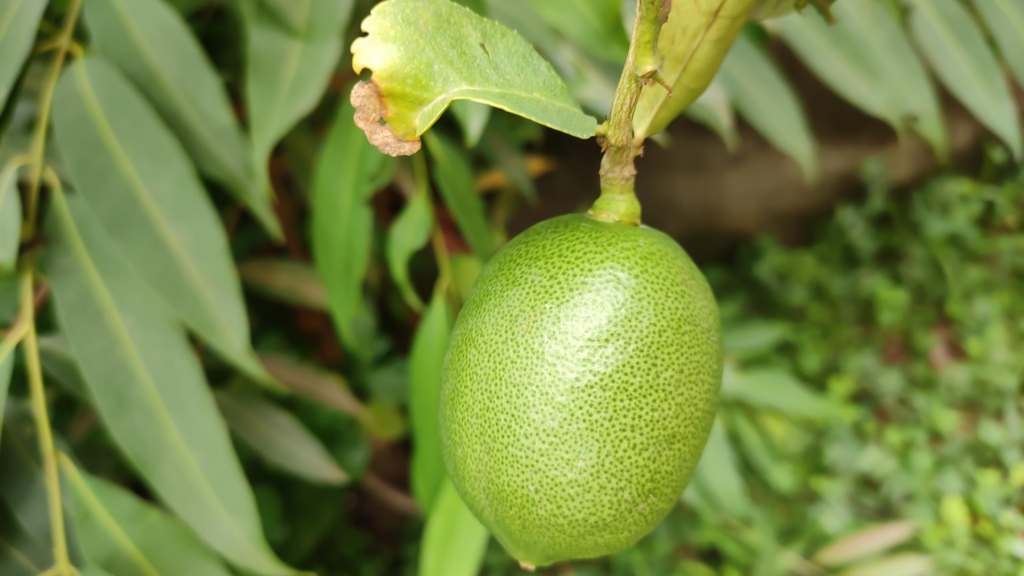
278, 437
10, 219
764, 98
1005, 20
753, 337
776, 470
500, 150
454, 541
151, 43
342, 222
594, 25
289, 12
408, 234
148, 387
777, 390
425, 359
287, 71
454, 178
956, 49
125, 535
326, 388
909, 564
465, 270
482, 61
59, 365
93, 571
718, 476
472, 117
691, 47
286, 280
6, 367
866, 542
137, 179
868, 60
19, 20
712, 109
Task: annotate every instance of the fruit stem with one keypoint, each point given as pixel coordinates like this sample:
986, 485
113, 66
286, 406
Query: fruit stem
618, 201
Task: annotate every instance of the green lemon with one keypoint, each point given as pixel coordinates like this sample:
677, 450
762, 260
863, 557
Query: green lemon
579, 387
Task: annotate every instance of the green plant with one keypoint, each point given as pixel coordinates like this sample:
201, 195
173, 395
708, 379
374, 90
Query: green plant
138, 137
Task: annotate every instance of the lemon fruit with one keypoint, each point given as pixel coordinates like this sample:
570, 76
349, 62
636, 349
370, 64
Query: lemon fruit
579, 387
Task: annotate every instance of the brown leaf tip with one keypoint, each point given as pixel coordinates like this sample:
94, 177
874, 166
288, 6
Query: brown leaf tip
370, 110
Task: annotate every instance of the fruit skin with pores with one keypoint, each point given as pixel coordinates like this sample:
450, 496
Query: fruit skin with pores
579, 387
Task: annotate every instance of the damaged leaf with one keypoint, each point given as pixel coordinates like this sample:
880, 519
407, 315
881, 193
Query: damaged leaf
483, 61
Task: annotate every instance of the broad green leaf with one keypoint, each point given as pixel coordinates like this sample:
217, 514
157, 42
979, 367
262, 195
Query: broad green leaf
138, 181
151, 43
130, 537
454, 541
60, 366
278, 437
189, 6
289, 12
867, 59
764, 98
148, 387
287, 70
908, 564
19, 20
454, 178
1005, 20
342, 222
866, 542
93, 571
21, 554
718, 476
482, 61
956, 49
712, 109
286, 280
10, 219
691, 46
778, 390
472, 117
425, 359
753, 337
408, 234
594, 25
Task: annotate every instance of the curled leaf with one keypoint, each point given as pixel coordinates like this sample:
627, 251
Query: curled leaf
424, 54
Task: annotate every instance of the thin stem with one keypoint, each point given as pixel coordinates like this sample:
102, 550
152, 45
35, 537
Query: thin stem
618, 201
30, 347
38, 146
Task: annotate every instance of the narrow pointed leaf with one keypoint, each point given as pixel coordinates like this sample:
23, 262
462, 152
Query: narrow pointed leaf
454, 178
137, 179
1005, 20
286, 280
775, 469
764, 98
326, 388
289, 12
148, 387
472, 117
6, 367
718, 475
287, 70
425, 359
278, 437
151, 43
908, 564
594, 25
19, 20
60, 366
131, 537
867, 59
342, 222
712, 109
866, 542
953, 44
10, 220
691, 46
454, 541
778, 390
408, 234
482, 61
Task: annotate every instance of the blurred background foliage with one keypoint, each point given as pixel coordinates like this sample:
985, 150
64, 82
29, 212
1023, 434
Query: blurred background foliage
288, 283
